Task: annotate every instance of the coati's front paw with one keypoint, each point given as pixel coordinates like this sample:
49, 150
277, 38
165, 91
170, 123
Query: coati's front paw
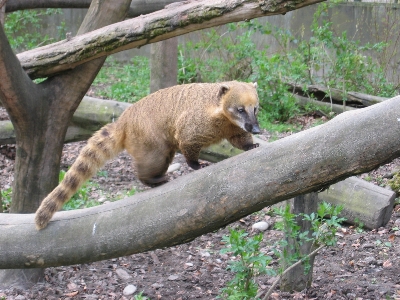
195, 165
155, 181
252, 146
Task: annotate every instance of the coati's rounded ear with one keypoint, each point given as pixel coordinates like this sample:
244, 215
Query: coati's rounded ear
222, 90
255, 84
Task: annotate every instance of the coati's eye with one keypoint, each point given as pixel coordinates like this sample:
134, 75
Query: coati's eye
240, 109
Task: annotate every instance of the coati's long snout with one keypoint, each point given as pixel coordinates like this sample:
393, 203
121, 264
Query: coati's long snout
243, 111
251, 124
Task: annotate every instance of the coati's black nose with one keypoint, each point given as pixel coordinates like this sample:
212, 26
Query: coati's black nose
254, 129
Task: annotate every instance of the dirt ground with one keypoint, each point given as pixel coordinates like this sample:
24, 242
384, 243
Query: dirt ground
363, 265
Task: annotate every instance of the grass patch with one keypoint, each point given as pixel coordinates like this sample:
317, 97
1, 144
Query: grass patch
125, 82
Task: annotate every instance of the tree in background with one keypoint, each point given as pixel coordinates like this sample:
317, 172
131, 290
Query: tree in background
41, 112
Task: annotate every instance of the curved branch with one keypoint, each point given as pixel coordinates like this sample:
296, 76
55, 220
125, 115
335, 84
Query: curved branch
137, 8
16, 89
176, 19
15, 5
205, 200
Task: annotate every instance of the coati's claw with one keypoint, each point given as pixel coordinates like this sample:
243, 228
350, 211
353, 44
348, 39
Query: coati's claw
252, 146
203, 165
195, 165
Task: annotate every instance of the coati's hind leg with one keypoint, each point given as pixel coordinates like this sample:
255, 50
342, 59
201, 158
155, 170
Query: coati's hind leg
152, 164
191, 153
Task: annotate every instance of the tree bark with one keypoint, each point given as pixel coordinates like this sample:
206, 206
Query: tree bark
336, 108
2, 11
325, 94
90, 116
15, 5
176, 19
43, 111
164, 64
297, 279
47, 120
210, 198
137, 7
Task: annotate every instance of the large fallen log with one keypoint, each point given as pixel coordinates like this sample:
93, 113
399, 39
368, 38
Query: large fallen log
335, 96
203, 201
94, 113
91, 115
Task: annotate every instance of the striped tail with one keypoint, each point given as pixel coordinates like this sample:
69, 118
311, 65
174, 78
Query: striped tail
102, 146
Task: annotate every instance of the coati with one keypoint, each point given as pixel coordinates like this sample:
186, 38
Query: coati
183, 117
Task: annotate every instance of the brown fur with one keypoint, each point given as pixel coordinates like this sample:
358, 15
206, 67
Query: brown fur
186, 118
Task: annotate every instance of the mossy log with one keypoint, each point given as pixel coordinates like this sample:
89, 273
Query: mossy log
91, 115
176, 19
205, 200
337, 97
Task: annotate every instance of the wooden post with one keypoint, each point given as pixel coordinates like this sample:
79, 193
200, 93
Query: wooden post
164, 64
296, 279
2, 19
2, 11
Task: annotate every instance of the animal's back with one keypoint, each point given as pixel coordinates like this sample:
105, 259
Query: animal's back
156, 116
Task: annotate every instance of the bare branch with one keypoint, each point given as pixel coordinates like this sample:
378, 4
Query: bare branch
137, 8
176, 19
14, 5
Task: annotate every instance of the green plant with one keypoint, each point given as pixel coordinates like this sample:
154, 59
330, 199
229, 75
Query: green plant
218, 56
394, 183
324, 229
326, 58
102, 173
140, 297
131, 192
81, 198
292, 232
130, 82
6, 197
23, 28
250, 263
358, 225
379, 243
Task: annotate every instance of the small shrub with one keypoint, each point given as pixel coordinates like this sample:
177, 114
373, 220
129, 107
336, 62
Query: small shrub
250, 263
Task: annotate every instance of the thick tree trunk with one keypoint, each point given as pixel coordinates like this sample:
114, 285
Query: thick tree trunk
40, 114
38, 158
176, 19
209, 198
